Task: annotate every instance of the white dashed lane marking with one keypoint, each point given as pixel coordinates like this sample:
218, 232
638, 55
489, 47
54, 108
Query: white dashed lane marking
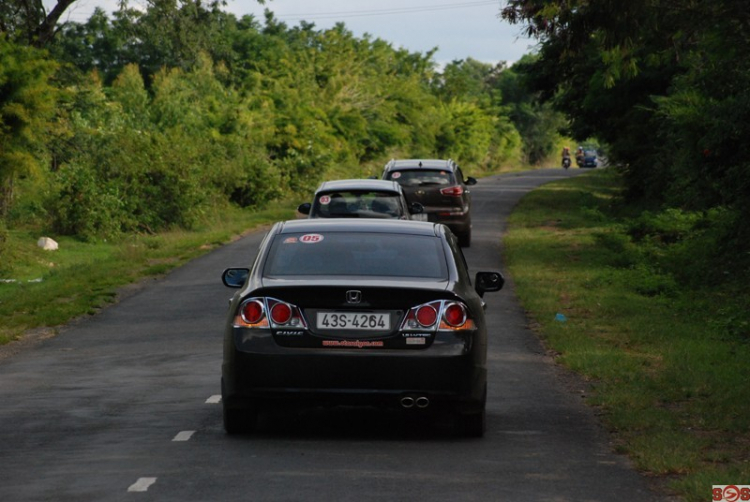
183, 436
142, 484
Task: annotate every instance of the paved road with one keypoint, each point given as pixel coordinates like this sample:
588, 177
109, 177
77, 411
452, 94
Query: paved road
123, 406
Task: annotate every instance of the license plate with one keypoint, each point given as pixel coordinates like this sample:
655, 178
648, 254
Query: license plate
354, 321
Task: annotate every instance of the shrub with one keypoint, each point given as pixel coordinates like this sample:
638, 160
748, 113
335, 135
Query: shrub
85, 206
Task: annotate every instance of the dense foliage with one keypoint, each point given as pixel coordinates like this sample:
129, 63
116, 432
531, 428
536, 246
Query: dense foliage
666, 84
154, 119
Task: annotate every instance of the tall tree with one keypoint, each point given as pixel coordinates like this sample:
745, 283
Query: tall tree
665, 83
27, 104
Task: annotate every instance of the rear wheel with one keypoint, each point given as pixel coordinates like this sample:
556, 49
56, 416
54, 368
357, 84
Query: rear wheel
239, 421
464, 239
475, 423
472, 425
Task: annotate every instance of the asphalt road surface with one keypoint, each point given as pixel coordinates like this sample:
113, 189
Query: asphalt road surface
124, 406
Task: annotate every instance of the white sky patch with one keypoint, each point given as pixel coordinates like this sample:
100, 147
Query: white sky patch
460, 29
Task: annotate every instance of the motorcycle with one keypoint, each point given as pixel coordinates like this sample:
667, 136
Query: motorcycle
566, 162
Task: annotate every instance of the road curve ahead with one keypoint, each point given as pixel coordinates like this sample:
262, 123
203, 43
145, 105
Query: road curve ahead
123, 406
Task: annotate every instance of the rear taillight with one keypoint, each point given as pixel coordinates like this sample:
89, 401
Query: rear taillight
252, 311
281, 313
426, 315
440, 315
454, 315
268, 312
422, 317
454, 191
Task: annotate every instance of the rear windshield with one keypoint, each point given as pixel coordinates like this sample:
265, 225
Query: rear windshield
357, 204
362, 254
422, 177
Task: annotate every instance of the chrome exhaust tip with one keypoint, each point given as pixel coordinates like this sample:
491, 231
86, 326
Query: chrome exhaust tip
407, 402
422, 402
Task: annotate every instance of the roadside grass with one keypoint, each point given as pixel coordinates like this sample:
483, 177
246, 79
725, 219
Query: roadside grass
665, 351
49, 288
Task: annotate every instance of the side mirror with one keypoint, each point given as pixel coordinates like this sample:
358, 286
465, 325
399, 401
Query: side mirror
488, 281
304, 208
470, 181
416, 208
235, 277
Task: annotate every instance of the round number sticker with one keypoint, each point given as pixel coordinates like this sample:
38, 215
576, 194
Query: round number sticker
395, 176
311, 238
324, 200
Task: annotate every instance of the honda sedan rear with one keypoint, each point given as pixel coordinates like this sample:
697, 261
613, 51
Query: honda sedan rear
372, 312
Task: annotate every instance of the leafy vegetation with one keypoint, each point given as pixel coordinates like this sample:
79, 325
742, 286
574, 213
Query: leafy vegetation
162, 121
665, 85
663, 343
148, 121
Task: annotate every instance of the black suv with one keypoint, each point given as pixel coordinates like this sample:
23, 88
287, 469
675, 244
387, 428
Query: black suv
440, 187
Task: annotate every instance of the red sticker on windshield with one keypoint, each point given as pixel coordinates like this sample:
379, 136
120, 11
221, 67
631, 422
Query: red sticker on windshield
395, 176
290, 240
311, 238
324, 200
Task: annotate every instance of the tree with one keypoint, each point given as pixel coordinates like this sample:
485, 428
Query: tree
27, 106
29, 22
665, 85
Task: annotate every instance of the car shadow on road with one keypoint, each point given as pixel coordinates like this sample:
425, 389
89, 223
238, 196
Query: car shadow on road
365, 423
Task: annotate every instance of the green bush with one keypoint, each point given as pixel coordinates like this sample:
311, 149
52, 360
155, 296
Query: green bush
85, 206
665, 227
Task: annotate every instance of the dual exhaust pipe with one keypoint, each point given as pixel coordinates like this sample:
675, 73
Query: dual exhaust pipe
410, 402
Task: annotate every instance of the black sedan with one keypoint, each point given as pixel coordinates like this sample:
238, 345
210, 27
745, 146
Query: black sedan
365, 312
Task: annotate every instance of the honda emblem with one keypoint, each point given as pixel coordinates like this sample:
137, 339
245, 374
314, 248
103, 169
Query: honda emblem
353, 296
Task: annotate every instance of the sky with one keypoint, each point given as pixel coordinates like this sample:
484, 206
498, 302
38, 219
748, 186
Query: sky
460, 29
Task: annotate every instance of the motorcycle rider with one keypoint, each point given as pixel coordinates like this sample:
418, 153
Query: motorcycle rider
566, 155
579, 156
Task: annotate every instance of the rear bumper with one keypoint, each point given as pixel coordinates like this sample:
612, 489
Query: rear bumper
449, 372
458, 222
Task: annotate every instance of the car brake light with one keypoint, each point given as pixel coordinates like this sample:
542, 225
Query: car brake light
281, 313
268, 312
440, 315
426, 315
455, 315
252, 312
454, 191
284, 314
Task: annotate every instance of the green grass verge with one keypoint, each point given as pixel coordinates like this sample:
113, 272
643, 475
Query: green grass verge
667, 355
49, 288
